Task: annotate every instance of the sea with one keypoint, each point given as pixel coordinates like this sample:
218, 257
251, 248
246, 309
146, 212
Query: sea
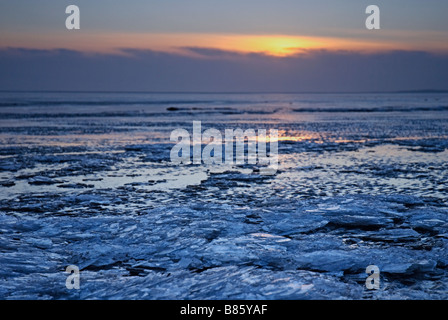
87, 181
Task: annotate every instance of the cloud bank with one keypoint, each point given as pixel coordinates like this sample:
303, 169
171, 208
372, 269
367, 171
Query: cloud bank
211, 70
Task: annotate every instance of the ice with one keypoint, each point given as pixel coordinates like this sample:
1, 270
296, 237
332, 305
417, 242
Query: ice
39, 180
394, 235
348, 221
173, 253
7, 183
352, 190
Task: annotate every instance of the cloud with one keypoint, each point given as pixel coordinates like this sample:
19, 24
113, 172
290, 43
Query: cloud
211, 70
213, 53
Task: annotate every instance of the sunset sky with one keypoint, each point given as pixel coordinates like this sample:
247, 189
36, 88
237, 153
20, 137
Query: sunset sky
216, 45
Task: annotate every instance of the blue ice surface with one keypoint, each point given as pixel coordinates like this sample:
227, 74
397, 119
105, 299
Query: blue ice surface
86, 180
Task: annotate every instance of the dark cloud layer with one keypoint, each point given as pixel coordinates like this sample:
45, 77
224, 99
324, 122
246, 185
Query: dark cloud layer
209, 70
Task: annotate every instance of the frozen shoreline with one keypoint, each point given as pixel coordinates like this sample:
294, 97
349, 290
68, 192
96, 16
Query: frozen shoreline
97, 191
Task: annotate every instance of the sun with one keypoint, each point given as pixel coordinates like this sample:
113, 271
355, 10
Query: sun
273, 45
282, 46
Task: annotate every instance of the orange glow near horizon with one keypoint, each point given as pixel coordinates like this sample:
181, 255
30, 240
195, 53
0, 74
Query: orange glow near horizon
273, 45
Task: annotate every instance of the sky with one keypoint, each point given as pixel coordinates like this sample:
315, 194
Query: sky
224, 46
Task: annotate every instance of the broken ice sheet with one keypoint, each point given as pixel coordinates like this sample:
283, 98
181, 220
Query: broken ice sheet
95, 187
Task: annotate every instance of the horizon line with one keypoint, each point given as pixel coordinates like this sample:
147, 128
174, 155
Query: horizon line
232, 92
